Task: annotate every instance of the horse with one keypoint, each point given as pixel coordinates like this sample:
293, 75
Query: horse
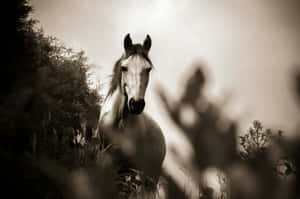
134, 139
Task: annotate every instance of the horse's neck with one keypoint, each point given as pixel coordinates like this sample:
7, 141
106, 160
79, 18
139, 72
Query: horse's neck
113, 108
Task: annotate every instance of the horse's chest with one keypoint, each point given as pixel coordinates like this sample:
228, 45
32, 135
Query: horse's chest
142, 144
141, 140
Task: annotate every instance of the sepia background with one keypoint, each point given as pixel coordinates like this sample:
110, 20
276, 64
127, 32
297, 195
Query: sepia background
224, 90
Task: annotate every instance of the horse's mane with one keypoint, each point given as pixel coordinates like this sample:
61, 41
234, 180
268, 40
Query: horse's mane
135, 50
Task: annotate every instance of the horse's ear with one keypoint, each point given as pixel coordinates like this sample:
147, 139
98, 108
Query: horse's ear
147, 43
127, 42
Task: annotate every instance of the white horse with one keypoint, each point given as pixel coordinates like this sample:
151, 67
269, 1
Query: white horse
136, 140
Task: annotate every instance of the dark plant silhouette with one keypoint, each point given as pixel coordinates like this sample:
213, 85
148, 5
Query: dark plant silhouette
257, 140
44, 99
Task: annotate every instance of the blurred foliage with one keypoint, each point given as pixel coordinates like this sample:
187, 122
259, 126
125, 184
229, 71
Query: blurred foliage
209, 131
252, 167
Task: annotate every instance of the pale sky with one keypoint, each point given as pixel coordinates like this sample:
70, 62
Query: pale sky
249, 47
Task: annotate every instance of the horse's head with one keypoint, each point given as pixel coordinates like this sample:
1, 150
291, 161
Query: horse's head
135, 67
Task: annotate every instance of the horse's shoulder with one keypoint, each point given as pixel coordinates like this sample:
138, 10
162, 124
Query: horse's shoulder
154, 132
150, 123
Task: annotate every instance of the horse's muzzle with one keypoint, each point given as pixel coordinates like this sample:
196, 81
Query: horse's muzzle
136, 106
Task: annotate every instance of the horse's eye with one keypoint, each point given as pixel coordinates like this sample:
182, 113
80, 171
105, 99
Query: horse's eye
124, 68
148, 70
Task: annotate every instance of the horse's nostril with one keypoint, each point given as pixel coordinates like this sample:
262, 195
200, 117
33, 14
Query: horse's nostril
131, 102
140, 104
136, 106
